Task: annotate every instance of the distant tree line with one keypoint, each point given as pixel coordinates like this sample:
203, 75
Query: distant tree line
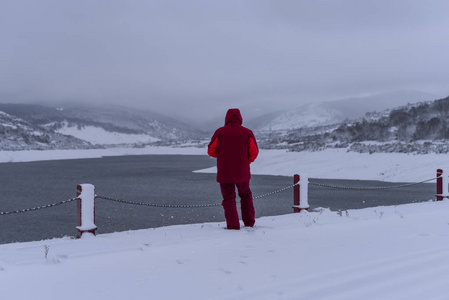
426, 121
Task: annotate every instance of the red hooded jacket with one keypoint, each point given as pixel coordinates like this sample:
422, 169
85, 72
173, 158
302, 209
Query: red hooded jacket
235, 147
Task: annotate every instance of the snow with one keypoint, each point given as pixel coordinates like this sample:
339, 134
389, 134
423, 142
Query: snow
39, 155
99, 136
392, 252
377, 253
314, 114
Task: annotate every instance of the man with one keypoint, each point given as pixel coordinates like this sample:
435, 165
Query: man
235, 147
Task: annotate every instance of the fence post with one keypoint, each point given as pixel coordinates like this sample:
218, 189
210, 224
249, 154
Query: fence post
300, 193
296, 194
442, 185
85, 209
439, 185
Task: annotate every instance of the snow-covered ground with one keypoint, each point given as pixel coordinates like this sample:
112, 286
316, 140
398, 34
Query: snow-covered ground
38, 155
395, 252
377, 253
99, 136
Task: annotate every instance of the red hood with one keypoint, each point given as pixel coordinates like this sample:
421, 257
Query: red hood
233, 116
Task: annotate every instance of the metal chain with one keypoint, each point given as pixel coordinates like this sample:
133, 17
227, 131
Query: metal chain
275, 192
213, 204
37, 208
157, 205
187, 206
135, 203
369, 188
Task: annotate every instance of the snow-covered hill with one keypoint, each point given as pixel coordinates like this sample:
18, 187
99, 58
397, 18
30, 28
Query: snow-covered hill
332, 112
414, 128
311, 115
17, 134
100, 136
104, 125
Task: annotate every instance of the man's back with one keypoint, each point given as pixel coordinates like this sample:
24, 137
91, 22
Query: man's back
235, 147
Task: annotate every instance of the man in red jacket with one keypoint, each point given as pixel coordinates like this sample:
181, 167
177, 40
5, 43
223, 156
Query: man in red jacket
235, 147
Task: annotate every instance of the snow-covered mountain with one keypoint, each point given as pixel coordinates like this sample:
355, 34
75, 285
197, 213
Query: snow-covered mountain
104, 125
17, 134
97, 135
310, 115
332, 112
414, 128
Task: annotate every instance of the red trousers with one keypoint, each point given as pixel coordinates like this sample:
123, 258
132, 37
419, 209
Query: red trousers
230, 208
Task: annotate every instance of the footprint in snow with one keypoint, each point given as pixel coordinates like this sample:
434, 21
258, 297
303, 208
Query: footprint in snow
225, 271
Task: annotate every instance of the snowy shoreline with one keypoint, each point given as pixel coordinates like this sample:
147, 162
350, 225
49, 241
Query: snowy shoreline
326, 164
393, 252
41, 155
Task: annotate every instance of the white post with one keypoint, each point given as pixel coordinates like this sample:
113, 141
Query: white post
445, 190
86, 209
304, 192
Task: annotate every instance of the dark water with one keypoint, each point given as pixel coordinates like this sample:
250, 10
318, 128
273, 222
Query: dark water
159, 179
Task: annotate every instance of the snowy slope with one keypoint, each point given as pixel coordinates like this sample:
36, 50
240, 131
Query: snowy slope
332, 112
377, 253
104, 125
99, 136
310, 115
18, 134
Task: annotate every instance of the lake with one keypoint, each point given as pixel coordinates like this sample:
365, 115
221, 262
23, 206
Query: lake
156, 179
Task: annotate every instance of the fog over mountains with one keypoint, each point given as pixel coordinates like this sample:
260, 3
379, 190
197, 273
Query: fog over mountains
332, 112
347, 123
415, 128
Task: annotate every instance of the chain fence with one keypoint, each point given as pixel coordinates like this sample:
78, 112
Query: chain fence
137, 203
157, 205
188, 206
369, 188
37, 208
214, 204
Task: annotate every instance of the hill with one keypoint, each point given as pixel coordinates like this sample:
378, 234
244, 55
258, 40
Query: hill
333, 112
101, 125
415, 128
17, 134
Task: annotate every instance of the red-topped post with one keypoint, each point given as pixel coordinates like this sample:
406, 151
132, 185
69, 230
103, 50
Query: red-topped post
300, 193
296, 194
439, 185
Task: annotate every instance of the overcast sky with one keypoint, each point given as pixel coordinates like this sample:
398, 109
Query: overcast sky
197, 58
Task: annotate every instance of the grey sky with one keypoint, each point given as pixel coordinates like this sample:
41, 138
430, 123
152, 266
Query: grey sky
197, 58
